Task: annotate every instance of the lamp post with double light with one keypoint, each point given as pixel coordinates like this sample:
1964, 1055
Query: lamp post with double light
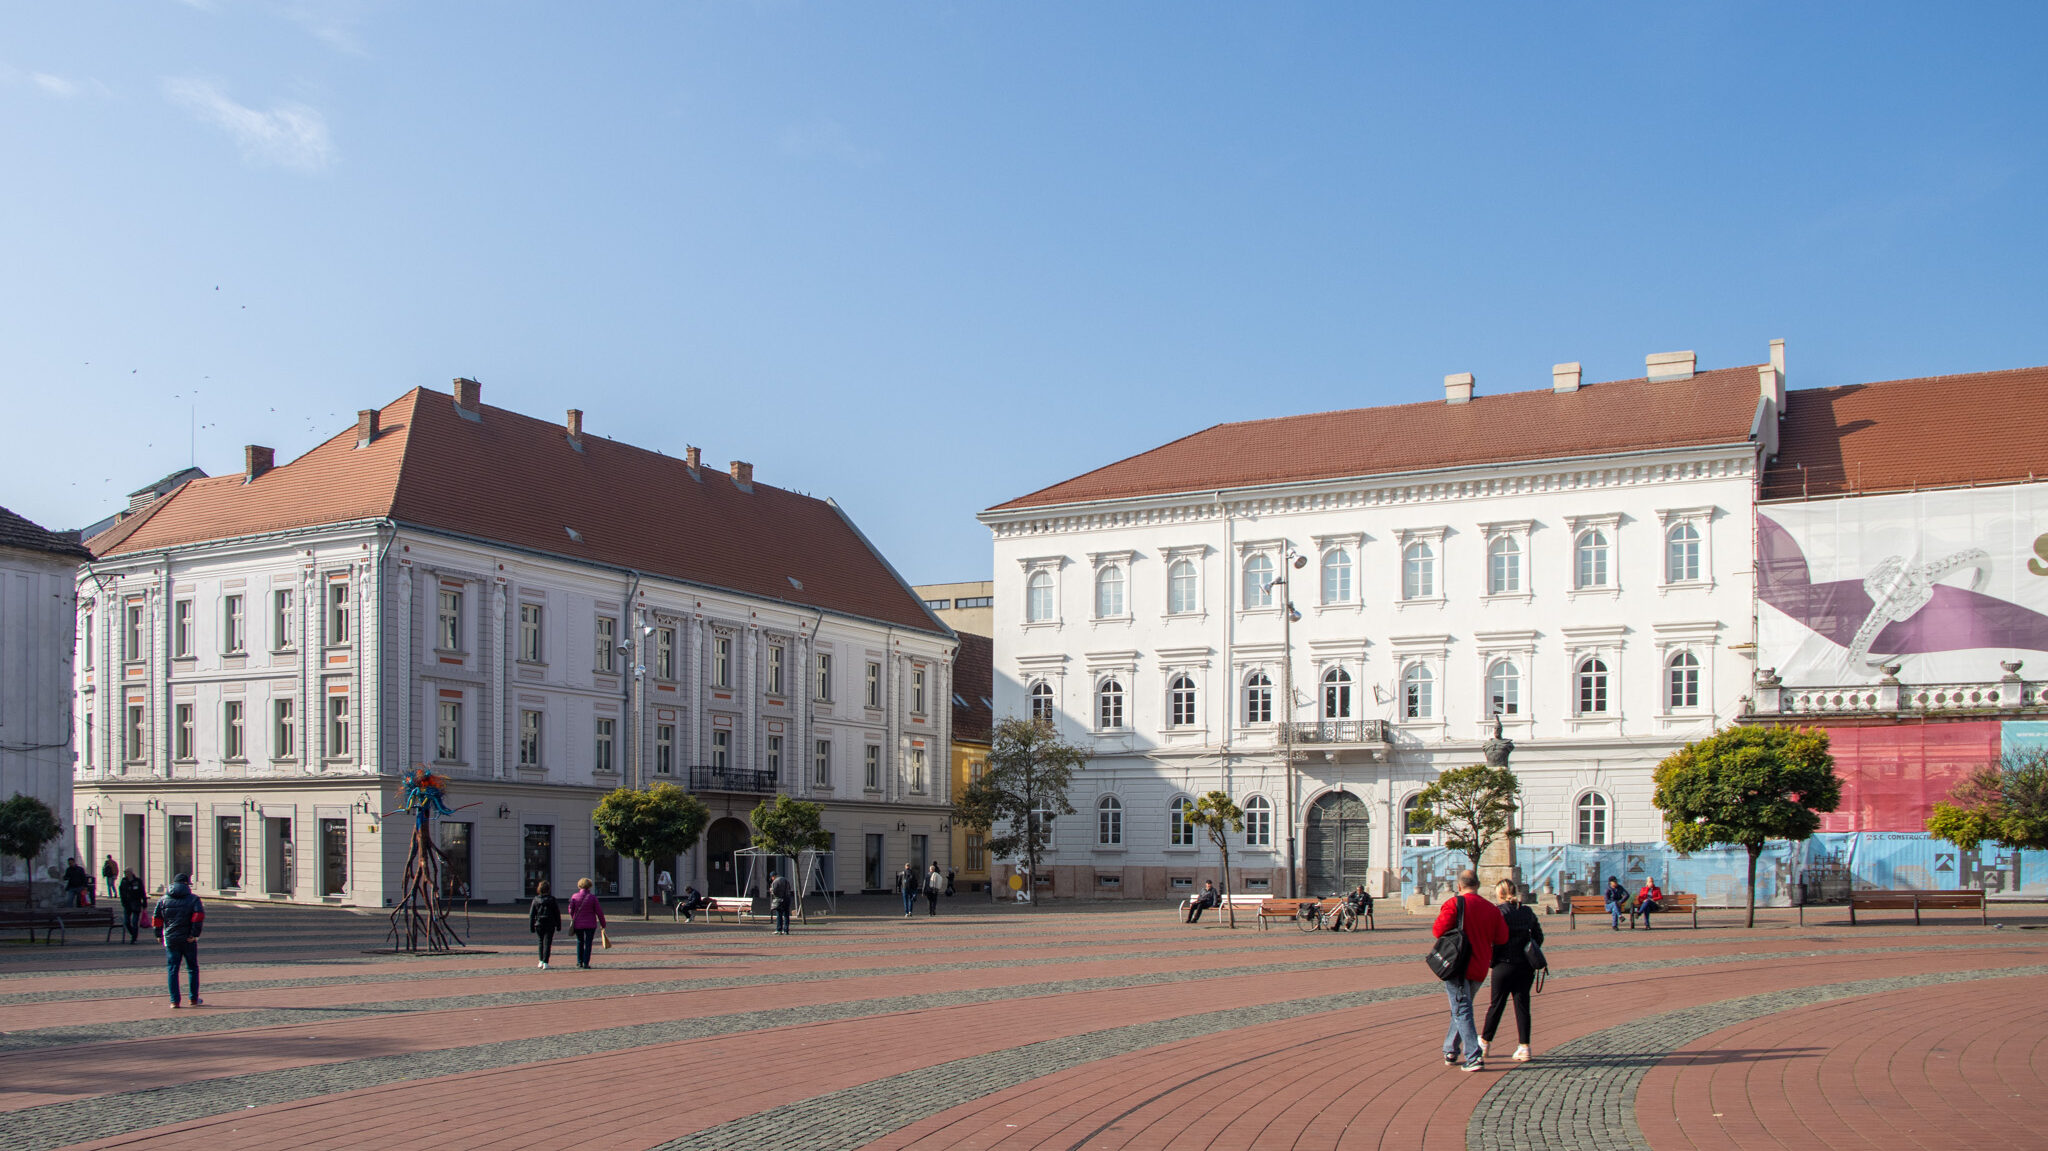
1291, 561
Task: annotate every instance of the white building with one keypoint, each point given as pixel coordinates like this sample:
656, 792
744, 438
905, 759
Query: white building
1574, 560
36, 569
538, 614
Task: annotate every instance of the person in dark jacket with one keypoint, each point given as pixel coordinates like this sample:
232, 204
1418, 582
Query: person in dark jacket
1203, 901
179, 918
907, 885
76, 884
934, 886
780, 896
111, 873
133, 896
1616, 897
1512, 973
690, 901
1484, 931
544, 918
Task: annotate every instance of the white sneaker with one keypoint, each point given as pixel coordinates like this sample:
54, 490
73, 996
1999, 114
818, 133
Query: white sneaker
1522, 1053
543, 966
1482, 1048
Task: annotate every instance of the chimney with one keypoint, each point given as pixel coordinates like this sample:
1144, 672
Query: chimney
1778, 368
1662, 366
1458, 388
468, 393
1564, 377
255, 461
366, 427
694, 457
743, 475
575, 423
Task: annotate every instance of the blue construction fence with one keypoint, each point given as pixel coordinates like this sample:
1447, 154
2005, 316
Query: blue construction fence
1872, 860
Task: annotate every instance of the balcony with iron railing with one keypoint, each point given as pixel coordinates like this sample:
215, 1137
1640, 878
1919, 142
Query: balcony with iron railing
735, 780
1341, 732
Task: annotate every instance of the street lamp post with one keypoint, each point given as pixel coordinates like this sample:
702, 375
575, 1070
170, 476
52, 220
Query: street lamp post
1289, 562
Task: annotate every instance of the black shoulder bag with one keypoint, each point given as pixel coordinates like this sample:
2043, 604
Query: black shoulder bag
1452, 953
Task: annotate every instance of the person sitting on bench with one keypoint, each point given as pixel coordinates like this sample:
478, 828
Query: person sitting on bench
1360, 901
690, 902
1649, 899
1202, 902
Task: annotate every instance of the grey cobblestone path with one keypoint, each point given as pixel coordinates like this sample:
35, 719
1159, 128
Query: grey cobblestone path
1582, 1094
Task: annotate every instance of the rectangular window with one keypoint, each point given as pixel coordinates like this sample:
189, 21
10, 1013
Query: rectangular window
917, 770
977, 855
821, 763
337, 613
181, 629
529, 739
824, 677
721, 661
458, 869
232, 635
450, 634
448, 734
227, 852
181, 732
132, 649
538, 856
917, 691
873, 763
774, 669
607, 643
89, 760
775, 757
338, 725
664, 749
874, 684
333, 856
281, 628
602, 754
85, 640
974, 601
231, 729
721, 750
134, 736
284, 728
665, 653
529, 632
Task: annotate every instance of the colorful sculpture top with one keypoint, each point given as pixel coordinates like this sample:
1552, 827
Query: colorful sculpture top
422, 794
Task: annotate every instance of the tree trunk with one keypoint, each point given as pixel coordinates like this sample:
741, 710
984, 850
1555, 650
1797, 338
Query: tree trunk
643, 887
1755, 849
1229, 908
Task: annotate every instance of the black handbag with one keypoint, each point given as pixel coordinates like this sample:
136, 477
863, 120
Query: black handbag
1452, 953
1533, 951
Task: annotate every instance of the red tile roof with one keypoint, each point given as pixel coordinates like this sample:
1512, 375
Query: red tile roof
1713, 407
512, 479
974, 680
24, 533
1934, 432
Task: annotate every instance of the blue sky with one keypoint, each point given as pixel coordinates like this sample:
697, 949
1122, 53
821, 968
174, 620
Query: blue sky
924, 258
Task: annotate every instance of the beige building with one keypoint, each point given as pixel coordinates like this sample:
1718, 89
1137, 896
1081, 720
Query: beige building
965, 607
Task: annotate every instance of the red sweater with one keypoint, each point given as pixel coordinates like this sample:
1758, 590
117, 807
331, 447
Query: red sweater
1484, 929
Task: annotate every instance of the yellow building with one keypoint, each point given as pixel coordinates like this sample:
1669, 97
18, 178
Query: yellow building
973, 714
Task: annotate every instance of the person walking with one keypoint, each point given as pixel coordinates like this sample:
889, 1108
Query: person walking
1484, 931
544, 918
949, 883
1513, 974
780, 896
111, 872
179, 917
1616, 897
934, 886
906, 886
132, 898
1650, 898
586, 918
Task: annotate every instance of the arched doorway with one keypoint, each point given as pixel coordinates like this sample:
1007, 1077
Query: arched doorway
1339, 836
721, 839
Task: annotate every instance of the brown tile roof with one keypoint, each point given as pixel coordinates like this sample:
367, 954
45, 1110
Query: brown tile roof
512, 479
1935, 432
1713, 407
974, 680
24, 533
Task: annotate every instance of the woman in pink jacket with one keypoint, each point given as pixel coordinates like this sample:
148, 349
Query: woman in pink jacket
586, 918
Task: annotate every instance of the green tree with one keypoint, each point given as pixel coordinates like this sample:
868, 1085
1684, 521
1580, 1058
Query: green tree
1024, 789
1471, 806
660, 823
27, 825
1219, 815
2006, 804
789, 827
1747, 785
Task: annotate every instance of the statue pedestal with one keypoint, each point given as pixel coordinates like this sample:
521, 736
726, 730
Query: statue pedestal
1496, 864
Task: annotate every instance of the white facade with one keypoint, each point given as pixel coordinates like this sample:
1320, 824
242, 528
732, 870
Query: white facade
252, 704
35, 696
1604, 602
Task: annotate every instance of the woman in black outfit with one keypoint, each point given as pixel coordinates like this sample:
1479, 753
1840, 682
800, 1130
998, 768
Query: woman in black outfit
1512, 974
544, 918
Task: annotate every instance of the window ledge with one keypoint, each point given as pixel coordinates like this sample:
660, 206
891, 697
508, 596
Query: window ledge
1685, 585
1181, 850
1508, 597
184, 659
1108, 849
1598, 591
1354, 608
450, 651
1197, 616
1037, 623
1421, 601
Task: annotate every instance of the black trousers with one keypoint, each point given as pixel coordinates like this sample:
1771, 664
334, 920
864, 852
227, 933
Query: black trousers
1511, 981
584, 937
931, 897
547, 944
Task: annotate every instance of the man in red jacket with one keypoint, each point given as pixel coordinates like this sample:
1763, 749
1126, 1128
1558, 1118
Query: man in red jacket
1484, 930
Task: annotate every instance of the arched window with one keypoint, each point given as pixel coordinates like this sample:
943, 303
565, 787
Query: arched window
1413, 834
1503, 688
1179, 832
1180, 701
1038, 597
1418, 693
1681, 553
1682, 682
1258, 822
1503, 566
1418, 571
1180, 587
1592, 678
1258, 582
1109, 821
1593, 818
1337, 576
1258, 698
1336, 694
1109, 592
1109, 705
1589, 567
1041, 701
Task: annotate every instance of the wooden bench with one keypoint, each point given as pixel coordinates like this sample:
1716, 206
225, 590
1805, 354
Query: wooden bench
53, 922
1679, 901
738, 906
1245, 903
1916, 901
1585, 905
1291, 909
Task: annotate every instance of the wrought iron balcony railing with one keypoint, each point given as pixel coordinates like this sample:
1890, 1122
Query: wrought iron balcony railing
1341, 731
743, 780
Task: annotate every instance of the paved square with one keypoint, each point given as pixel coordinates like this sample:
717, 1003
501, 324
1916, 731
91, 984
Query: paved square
1089, 1027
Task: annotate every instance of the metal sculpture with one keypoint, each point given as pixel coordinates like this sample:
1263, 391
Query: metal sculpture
420, 921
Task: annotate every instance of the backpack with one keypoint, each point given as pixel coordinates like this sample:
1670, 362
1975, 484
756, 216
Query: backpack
1452, 953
